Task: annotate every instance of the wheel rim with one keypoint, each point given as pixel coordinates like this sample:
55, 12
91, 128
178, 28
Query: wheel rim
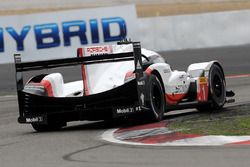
218, 86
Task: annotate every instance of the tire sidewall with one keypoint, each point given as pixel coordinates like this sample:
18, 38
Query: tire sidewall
217, 102
156, 113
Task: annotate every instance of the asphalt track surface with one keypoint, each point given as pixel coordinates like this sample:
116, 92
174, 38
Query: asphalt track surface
80, 144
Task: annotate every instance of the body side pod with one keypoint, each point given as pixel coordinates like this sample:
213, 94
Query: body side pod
175, 83
161, 70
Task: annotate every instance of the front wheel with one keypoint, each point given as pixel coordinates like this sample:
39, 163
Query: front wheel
156, 99
217, 89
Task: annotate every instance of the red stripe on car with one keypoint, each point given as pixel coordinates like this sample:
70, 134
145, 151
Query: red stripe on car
148, 71
238, 76
174, 98
84, 74
202, 89
48, 87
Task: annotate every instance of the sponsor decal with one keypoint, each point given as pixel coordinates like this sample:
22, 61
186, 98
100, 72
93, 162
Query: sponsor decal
141, 83
179, 89
48, 35
138, 66
202, 89
97, 50
55, 35
181, 76
203, 80
166, 71
125, 110
128, 110
35, 119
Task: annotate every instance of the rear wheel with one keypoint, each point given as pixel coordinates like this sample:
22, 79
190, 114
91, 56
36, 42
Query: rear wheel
156, 99
217, 90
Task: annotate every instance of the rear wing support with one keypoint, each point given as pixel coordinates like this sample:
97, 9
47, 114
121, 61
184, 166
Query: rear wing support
19, 83
139, 74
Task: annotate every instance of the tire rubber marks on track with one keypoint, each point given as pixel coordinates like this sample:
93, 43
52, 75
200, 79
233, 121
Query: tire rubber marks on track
69, 156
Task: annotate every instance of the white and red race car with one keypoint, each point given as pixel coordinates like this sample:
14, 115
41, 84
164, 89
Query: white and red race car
117, 81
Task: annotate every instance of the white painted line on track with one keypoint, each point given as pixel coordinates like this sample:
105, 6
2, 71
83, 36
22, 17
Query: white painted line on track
237, 76
208, 141
8, 96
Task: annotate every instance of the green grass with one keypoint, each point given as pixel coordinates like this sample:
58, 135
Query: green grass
238, 125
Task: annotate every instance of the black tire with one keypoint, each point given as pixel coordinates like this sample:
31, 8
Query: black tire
156, 99
217, 90
48, 127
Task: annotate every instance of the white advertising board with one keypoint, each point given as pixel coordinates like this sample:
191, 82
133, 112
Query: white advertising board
58, 34
195, 31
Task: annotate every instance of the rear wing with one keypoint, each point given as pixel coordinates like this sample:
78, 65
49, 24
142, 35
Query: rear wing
135, 55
